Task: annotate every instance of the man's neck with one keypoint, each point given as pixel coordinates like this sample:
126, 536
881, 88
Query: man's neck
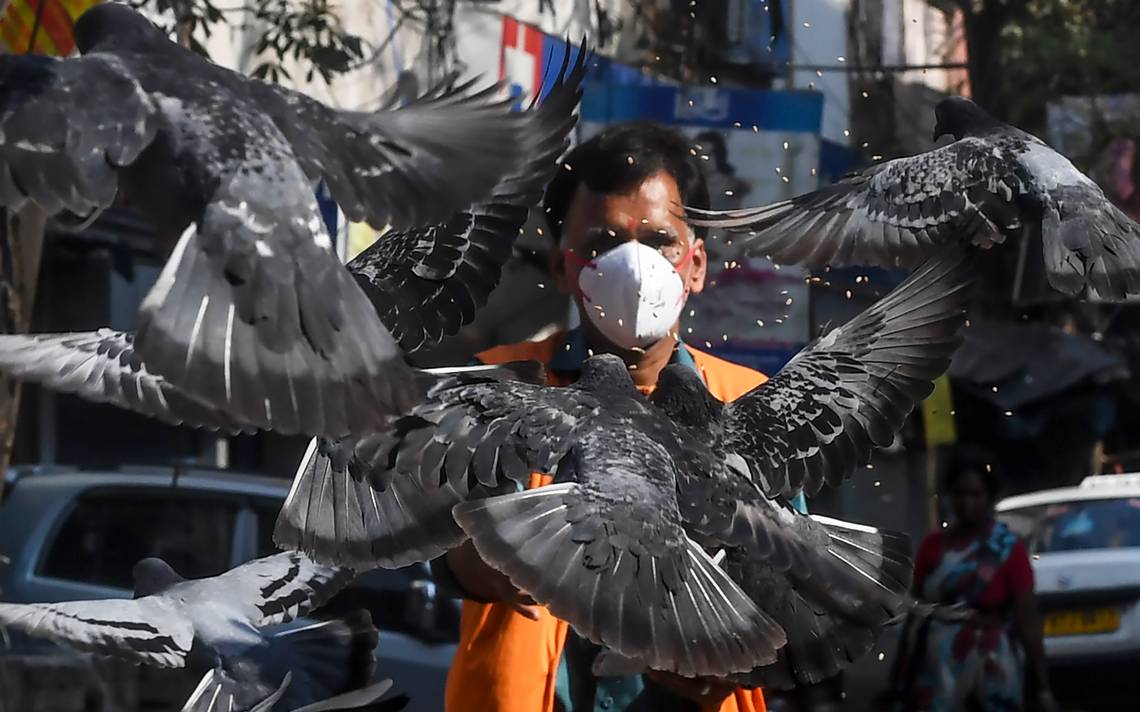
645, 365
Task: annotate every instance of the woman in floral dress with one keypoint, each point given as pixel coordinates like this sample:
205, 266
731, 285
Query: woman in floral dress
978, 663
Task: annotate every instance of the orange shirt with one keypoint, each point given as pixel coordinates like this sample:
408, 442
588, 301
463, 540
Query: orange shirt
508, 663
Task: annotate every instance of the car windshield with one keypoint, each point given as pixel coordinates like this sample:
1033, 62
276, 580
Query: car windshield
1078, 526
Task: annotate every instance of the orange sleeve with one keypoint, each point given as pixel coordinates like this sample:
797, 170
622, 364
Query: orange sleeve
504, 661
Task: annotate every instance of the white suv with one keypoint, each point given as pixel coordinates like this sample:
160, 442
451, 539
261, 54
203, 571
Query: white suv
1085, 543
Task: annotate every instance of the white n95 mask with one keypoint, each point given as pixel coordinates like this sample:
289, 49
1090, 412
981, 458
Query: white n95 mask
632, 295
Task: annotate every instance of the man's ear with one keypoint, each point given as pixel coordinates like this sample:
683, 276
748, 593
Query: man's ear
556, 261
698, 268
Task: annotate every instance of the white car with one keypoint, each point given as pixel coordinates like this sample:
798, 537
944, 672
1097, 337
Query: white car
1085, 543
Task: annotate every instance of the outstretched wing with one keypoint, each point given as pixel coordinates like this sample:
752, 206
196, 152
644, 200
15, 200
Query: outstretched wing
386, 499
145, 630
850, 391
253, 312
66, 127
607, 553
428, 282
272, 589
102, 366
894, 214
410, 166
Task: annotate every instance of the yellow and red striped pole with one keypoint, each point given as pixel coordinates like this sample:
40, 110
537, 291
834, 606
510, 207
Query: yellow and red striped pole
49, 22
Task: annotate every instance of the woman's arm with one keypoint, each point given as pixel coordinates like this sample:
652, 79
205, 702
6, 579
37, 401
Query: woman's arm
1027, 621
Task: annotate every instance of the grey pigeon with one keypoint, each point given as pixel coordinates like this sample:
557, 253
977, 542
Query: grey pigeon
230, 622
424, 284
626, 469
994, 181
643, 587
253, 312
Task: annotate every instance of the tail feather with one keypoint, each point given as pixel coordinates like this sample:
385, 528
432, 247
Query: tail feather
676, 610
334, 657
1097, 246
337, 514
881, 557
366, 698
219, 691
832, 618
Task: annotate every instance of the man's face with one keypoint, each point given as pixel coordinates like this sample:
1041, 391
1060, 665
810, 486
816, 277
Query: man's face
597, 222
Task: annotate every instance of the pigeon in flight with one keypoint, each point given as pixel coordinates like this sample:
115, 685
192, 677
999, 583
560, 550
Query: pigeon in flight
424, 283
231, 622
992, 182
253, 312
636, 478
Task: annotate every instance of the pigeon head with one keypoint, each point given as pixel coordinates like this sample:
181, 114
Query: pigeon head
682, 394
110, 26
153, 575
606, 372
957, 116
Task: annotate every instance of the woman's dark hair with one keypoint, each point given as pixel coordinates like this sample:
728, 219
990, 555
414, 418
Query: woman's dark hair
604, 164
970, 458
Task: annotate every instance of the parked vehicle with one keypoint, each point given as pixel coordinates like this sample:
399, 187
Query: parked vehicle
1085, 543
71, 535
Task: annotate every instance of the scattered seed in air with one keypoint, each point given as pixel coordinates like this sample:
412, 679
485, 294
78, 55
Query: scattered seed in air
785, 145
846, 132
882, 656
629, 160
712, 79
759, 322
708, 345
841, 60
807, 24
1009, 413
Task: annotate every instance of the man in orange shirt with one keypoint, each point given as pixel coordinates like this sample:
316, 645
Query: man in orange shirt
630, 262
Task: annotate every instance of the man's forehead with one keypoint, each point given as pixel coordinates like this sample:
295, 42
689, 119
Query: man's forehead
653, 203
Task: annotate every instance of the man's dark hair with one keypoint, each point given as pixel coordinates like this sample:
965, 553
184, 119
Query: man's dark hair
603, 164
